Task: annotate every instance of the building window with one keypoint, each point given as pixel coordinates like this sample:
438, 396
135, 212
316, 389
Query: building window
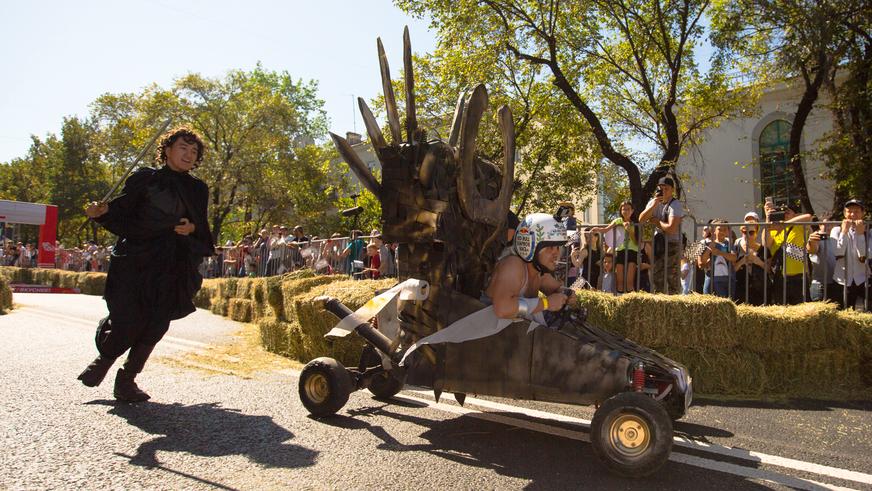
776, 176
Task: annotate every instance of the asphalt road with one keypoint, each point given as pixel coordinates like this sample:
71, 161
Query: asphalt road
206, 430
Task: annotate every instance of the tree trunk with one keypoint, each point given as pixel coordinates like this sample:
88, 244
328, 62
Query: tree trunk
806, 104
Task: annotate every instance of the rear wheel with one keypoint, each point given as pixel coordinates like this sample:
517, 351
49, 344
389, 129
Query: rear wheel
383, 384
632, 434
324, 386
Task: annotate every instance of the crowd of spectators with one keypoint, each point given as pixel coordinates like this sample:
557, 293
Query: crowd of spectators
789, 258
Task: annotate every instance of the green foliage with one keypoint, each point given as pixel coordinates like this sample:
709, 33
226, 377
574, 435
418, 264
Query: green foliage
623, 69
259, 127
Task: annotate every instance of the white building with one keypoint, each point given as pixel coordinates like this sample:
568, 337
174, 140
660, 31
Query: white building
744, 160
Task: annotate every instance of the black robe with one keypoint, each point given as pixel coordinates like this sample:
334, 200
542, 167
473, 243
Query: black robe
153, 274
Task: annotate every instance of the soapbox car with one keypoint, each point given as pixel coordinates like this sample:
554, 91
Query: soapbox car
638, 391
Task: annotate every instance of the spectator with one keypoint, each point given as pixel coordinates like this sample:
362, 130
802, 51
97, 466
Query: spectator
623, 235
666, 212
821, 248
387, 265
589, 257
750, 267
717, 262
372, 252
786, 243
570, 222
852, 252
296, 243
275, 262
261, 251
353, 251
606, 282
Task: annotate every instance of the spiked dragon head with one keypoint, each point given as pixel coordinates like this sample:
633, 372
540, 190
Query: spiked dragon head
426, 184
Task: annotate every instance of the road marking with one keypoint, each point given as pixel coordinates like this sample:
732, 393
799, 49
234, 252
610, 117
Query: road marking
738, 453
176, 342
725, 467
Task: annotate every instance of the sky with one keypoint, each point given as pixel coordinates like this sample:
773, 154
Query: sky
59, 56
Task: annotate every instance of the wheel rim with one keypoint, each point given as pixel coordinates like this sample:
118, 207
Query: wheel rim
317, 388
630, 435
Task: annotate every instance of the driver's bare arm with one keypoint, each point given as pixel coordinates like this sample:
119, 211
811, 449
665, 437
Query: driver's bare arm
557, 294
505, 287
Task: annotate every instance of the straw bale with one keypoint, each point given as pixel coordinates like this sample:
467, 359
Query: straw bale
239, 309
690, 321
291, 287
5, 295
89, 283
798, 328
219, 307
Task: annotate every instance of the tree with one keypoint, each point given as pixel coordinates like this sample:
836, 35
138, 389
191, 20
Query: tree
787, 39
66, 172
848, 153
256, 125
624, 66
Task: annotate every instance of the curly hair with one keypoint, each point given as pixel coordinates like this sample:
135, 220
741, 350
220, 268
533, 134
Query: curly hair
171, 136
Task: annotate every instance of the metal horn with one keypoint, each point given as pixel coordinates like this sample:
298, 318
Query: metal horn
456, 121
390, 102
357, 166
409, 76
376, 138
466, 189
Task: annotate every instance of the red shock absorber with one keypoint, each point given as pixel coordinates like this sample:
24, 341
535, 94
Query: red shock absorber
639, 377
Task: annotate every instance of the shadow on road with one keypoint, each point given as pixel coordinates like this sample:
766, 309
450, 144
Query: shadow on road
796, 404
546, 461
209, 430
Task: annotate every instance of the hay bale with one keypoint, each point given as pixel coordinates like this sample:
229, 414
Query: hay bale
89, 283
725, 372
5, 295
690, 321
290, 288
239, 309
797, 328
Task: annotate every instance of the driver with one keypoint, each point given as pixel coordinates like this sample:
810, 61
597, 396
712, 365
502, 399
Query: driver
523, 282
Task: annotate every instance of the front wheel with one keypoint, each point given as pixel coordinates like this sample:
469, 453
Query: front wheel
631, 434
382, 384
324, 386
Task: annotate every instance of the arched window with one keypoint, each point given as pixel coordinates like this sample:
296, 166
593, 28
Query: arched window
776, 177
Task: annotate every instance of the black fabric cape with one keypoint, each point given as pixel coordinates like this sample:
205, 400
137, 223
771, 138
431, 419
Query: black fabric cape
153, 272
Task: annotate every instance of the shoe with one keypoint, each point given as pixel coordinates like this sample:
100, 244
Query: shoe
96, 371
126, 389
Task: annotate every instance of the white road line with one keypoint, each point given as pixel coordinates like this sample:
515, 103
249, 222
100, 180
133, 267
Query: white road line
726, 467
746, 455
178, 342
738, 453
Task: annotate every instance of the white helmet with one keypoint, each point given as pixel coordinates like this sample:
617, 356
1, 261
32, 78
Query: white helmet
536, 231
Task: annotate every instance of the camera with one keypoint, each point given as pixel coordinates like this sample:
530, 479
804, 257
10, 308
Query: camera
777, 215
658, 193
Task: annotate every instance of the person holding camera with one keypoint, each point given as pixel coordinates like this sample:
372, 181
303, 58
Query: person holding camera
666, 213
750, 267
786, 243
852, 251
717, 260
821, 248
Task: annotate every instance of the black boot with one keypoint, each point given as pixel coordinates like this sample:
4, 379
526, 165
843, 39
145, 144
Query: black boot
125, 387
96, 371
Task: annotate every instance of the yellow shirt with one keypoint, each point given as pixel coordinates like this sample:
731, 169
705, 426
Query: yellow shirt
795, 237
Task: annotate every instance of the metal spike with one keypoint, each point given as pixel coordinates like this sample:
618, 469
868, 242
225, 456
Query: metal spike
456, 121
409, 76
466, 191
388, 89
437, 393
428, 165
460, 398
357, 166
376, 138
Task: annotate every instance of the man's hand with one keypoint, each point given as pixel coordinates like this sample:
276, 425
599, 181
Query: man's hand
185, 227
96, 209
556, 301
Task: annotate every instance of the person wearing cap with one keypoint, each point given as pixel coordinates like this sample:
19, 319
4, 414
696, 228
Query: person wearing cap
666, 213
750, 267
523, 283
786, 244
852, 253
821, 248
354, 251
570, 222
